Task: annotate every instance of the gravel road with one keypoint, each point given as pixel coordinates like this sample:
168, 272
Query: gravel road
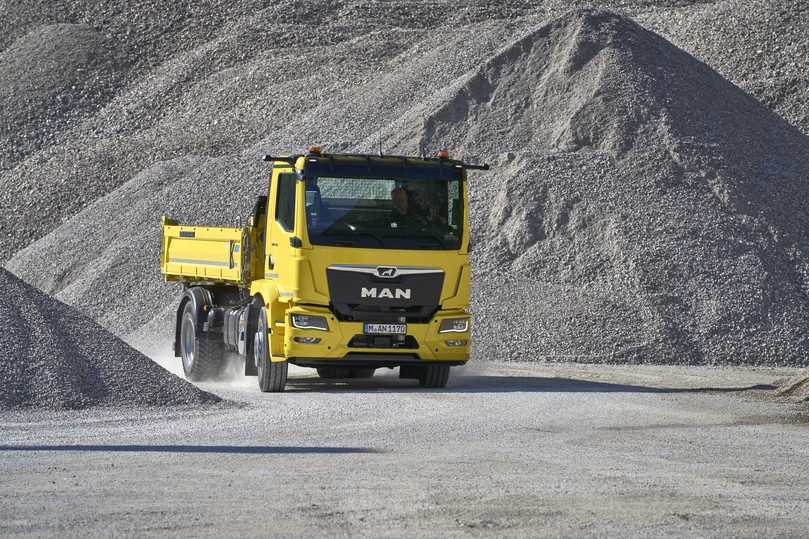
539, 450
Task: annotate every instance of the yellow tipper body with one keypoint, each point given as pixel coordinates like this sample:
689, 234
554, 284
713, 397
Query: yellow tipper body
196, 253
271, 262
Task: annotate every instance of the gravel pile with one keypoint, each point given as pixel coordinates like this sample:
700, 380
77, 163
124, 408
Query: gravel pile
674, 209
760, 45
105, 260
795, 388
49, 78
54, 357
643, 207
214, 78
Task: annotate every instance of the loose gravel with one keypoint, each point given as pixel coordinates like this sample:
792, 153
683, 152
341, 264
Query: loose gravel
53, 357
759, 45
50, 78
212, 78
675, 206
642, 208
122, 288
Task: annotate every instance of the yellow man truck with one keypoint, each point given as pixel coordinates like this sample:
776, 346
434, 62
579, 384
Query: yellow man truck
350, 263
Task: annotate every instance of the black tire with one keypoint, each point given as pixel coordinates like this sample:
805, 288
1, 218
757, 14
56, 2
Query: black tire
333, 373
272, 376
202, 358
434, 376
362, 372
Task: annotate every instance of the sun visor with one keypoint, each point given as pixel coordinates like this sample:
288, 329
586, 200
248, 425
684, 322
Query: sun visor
381, 167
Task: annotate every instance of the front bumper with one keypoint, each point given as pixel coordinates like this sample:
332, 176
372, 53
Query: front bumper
431, 347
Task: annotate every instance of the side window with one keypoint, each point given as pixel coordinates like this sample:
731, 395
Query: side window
285, 202
454, 206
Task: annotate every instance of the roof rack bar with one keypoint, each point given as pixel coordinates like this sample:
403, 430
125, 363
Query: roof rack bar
369, 159
291, 159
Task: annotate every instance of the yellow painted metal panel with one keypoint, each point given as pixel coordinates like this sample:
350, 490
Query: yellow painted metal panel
201, 253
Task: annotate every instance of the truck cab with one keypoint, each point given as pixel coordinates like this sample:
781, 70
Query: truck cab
348, 264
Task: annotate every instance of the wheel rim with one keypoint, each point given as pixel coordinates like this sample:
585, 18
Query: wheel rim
187, 340
258, 347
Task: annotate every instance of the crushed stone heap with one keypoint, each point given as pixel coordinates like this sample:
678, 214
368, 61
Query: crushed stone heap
642, 208
52, 357
647, 210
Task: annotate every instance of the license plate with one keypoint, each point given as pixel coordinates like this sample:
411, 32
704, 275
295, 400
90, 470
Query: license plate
385, 329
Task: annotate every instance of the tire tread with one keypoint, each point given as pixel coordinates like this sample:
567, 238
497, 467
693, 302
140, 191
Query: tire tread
272, 378
434, 376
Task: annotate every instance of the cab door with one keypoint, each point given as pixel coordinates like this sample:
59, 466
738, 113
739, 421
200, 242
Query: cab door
283, 240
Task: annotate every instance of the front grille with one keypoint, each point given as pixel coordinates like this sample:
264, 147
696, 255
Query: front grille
418, 314
383, 341
363, 294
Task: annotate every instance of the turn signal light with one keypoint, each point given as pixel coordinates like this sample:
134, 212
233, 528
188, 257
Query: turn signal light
315, 150
443, 154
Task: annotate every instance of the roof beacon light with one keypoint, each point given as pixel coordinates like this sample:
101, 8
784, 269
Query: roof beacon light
443, 154
314, 150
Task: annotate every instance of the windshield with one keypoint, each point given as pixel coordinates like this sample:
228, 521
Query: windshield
384, 213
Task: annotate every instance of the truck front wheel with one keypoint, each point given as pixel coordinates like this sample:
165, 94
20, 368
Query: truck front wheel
434, 376
272, 376
202, 358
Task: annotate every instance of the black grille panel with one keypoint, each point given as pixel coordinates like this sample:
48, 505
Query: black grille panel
369, 313
359, 294
383, 341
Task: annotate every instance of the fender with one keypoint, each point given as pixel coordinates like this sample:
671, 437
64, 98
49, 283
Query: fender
198, 297
263, 292
266, 289
276, 304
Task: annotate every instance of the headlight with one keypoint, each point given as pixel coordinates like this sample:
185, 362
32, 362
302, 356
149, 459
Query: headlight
307, 321
454, 325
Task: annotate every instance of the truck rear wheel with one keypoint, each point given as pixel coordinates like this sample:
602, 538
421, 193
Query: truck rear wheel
434, 376
202, 358
272, 376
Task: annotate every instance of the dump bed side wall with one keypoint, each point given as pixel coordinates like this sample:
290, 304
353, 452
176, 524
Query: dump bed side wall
191, 253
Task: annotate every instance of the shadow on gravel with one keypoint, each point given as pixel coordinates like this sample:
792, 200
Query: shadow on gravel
501, 384
217, 449
495, 384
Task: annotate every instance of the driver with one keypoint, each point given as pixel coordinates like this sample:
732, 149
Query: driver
406, 208
401, 200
